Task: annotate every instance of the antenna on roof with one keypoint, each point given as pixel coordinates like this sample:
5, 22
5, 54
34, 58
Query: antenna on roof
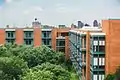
35, 19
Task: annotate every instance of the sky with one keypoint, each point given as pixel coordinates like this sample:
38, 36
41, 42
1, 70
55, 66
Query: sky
21, 13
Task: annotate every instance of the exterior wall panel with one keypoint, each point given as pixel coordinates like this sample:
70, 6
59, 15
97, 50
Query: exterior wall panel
19, 36
112, 51
88, 56
67, 47
2, 36
37, 37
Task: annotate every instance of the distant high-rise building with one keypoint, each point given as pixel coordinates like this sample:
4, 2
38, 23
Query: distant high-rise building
95, 23
36, 23
61, 26
87, 24
80, 24
73, 26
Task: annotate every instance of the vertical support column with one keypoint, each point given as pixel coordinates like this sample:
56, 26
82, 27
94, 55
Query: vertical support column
88, 56
54, 35
83, 60
67, 47
19, 34
37, 37
2, 36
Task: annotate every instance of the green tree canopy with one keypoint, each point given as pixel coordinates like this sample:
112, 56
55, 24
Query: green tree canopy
12, 67
58, 72
38, 75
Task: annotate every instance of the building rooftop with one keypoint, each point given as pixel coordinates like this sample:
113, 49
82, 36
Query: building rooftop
93, 30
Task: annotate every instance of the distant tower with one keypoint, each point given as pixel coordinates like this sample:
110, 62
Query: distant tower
73, 26
61, 26
80, 24
95, 23
87, 24
36, 23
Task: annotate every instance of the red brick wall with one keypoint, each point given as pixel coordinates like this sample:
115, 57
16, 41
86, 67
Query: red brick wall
112, 30
54, 35
67, 47
2, 36
19, 36
37, 37
88, 56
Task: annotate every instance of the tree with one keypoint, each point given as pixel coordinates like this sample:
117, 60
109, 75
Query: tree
110, 77
12, 67
57, 70
115, 76
39, 55
38, 75
30, 63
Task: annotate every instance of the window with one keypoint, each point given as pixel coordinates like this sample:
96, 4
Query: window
101, 77
101, 43
101, 61
28, 34
95, 43
95, 61
95, 48
98, 77
60, 45
28, 42
101, 48
64, 34
46, 34
60, 42
95, 77
46, 42
10, 34
60, 49
10, 41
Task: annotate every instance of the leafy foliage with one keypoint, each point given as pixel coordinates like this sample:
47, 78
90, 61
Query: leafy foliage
38, 75
115, 76
110, 77
12, 67
21, 62
58, 72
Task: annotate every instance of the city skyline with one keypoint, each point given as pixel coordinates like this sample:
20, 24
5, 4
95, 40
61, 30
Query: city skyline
22, 12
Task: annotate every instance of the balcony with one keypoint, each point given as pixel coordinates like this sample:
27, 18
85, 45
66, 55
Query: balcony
60, 37
28, 37
97, 68
82, 49
84, 64
10, 37
92, 52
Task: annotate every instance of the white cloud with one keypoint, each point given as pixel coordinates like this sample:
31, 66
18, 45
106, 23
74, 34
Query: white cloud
8, 1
